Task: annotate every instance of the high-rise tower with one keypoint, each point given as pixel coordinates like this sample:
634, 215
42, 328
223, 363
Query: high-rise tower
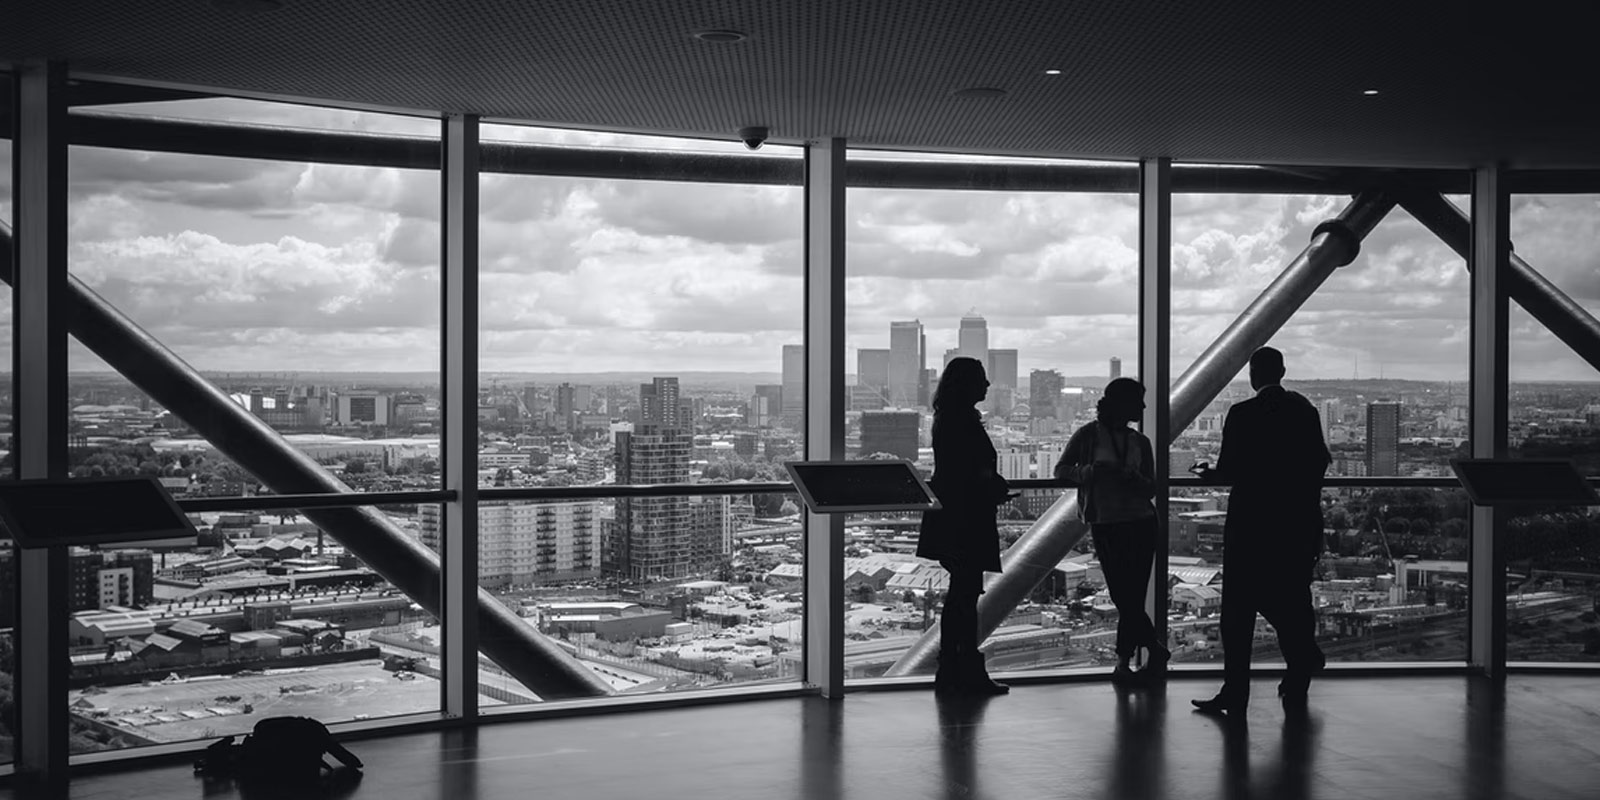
1383, 438
907, 363
654, 537
794, 381
972, 339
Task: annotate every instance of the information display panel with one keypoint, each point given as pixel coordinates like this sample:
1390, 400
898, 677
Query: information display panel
112, 512
836, 487
1523, 481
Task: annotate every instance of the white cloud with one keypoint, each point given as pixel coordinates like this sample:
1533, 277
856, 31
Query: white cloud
255, 265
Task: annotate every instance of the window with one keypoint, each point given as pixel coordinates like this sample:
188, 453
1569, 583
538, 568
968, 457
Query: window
644, 332
1381, 350
306, 292
294, 308
1553, 589
269, 616
8, 576
1042, 288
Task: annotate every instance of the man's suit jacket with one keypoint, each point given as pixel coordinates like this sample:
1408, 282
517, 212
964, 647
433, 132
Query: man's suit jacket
1274, 456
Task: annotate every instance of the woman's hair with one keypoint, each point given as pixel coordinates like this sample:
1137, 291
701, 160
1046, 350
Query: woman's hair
1119, 393
960, 382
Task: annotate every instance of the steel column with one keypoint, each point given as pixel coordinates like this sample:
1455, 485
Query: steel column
459, 544
39, 364
1334, 244
1491, 250
825, 406
532, 659
1568, 320
1155, 356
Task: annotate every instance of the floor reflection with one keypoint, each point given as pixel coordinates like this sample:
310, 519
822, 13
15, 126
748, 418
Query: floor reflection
1286, 776
1485, 738
821, 745
1138, 764
959, 718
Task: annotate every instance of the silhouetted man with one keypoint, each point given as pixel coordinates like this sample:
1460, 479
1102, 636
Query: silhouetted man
1274, 456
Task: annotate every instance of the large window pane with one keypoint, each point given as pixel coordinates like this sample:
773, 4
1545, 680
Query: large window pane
307, 292
1042, 287
1381, 350
736, 620
268, 616
1382, 345
1553, 554
8, 576
309, 295
638, 331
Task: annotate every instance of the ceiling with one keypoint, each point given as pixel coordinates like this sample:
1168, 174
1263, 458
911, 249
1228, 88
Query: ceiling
1263, 81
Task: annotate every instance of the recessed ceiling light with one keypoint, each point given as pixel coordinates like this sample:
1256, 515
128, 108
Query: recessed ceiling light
979, 91
1369, 92
1052, 71
720, 36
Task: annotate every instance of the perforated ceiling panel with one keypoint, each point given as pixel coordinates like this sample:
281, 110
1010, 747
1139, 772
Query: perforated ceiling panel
1242, 81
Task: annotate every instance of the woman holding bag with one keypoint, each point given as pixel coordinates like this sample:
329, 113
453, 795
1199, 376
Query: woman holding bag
1112, 465
962, 535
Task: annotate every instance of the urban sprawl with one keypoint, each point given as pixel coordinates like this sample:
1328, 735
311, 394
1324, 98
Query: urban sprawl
269, 614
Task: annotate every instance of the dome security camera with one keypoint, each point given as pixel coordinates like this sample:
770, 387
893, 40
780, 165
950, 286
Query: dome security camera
753, 136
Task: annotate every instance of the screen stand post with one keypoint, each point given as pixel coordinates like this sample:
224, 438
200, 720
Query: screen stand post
824, 617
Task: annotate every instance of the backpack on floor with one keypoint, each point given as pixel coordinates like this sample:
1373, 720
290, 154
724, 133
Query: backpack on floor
278, 750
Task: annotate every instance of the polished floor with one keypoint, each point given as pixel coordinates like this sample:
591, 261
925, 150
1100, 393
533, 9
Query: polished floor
1399, 737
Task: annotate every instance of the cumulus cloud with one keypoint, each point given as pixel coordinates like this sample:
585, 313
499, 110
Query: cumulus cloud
254, 265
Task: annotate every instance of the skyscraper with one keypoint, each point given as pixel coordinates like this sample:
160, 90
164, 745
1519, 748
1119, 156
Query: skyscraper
872, 368
972, 338
1332, 414
654, 536
658, 403
892, 432
766, 405
1383, 438
794, 381
530, 401
1003, 368
566, 406
1044, 393
907, 361
1116, 368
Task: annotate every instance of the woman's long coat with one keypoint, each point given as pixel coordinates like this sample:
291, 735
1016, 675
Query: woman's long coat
963, 531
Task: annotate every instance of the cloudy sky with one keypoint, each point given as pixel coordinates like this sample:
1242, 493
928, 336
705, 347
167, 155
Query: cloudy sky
269, 266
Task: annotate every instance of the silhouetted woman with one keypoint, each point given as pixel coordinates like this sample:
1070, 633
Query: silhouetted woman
962, 536
1112, 465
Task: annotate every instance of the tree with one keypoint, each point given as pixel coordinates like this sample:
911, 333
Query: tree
1338, 518
355, 466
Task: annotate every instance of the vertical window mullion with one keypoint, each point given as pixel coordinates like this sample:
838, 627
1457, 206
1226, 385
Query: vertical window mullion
1490, 256
1155, 356
459, 544
824, 408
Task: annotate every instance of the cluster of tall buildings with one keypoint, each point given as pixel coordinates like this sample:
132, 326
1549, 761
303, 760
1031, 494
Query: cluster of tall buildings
898, 376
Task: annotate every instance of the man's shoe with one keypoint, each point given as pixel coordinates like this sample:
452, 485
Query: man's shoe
1295, 687
1219, 706
1125, 677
